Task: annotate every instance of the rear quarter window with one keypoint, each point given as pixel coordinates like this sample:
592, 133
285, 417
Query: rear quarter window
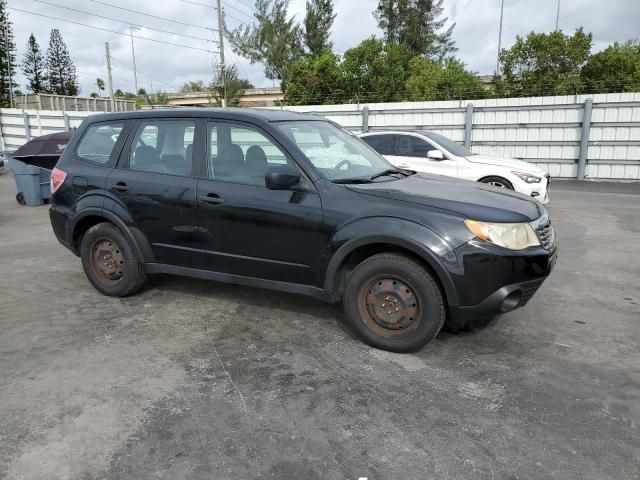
98, 141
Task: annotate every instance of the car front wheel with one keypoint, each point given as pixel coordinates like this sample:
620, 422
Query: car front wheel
394, 303
498, 182
110, 262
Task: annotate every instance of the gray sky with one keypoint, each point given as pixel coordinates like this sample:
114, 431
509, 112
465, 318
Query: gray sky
168, 67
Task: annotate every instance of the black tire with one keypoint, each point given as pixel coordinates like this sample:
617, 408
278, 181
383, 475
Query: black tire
125, 272
20, 198
498, 182
406, 288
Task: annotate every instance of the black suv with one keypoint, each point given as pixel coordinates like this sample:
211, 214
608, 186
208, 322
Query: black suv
292, 202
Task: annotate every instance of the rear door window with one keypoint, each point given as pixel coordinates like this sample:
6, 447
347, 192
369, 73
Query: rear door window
163, 146
98, 141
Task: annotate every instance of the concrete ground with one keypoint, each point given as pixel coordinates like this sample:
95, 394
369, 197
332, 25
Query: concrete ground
198, 380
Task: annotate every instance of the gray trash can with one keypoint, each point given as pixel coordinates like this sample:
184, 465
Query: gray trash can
32, 183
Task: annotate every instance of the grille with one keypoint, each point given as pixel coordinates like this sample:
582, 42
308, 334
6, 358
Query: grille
545, 232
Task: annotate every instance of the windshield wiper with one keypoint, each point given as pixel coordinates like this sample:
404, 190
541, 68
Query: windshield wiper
386, 172
352, 180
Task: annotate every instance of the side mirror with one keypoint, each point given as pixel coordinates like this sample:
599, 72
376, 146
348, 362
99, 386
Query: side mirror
435, 155
281, 178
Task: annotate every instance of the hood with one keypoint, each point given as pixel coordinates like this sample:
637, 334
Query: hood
520, 165
472, 200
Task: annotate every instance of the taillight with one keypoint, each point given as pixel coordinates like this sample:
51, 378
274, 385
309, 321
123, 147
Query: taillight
57, 179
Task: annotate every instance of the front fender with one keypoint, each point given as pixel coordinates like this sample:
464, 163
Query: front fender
418, 239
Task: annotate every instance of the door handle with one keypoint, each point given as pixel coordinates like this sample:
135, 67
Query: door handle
211, 198
120, 187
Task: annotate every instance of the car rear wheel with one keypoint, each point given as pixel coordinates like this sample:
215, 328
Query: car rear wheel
394, 303
110, 262
498, 182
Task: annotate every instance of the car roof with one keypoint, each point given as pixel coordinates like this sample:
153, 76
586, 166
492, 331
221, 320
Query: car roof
259, 114
396, 132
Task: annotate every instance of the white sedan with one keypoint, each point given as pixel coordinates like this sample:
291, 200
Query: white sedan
429, 152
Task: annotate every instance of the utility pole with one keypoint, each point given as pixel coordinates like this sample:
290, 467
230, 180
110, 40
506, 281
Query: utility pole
223, 74
558, 16
499, 38
133, 56
8, 52
109, 78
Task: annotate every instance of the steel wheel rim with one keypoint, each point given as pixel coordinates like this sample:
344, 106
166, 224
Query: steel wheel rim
107, 261
390, 307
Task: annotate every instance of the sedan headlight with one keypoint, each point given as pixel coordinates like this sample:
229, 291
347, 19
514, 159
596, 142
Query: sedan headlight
514, 236
527, 177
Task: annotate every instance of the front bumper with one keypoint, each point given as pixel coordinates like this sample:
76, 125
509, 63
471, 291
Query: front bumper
491, 280
538, 191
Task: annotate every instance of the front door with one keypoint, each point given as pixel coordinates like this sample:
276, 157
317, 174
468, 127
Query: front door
154, 187
410, 152
250, 230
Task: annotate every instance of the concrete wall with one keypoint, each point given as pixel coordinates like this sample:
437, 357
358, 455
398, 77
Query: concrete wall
541, 130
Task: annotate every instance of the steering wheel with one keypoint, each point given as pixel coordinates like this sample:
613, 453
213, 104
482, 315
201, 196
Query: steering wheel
341, 163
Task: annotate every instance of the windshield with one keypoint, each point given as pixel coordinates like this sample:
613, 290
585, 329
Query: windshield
447, 144
337, 154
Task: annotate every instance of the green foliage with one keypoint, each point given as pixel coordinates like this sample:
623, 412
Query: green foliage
317, 25
100, 85
418, 25
159, 98
448, 80
33, 67
7, 56
61, 71
315, 80
235, 87
544, 64
193, 86
274, 39
615, 69
375, 71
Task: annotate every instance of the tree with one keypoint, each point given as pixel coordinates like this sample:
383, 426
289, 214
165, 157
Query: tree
234, 85
417, 24
100, 85
317, 25
7, 57
544, 64
193, 86
615, 69
60, 68
274, 39
33, 67
375, 71
448, 80
315, 80
94, 95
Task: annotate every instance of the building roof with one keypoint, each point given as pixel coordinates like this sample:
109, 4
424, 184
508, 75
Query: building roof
265, 115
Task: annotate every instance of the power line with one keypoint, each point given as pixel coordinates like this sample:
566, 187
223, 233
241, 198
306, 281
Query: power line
110, 31
242, 12
125, 22
150, 15
142, 73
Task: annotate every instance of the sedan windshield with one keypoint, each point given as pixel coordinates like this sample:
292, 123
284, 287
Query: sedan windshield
448, 144
338, 155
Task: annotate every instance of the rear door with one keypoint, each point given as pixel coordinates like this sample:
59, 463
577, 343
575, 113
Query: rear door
154, 188
250, 230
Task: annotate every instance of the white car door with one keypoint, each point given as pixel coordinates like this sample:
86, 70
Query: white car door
412, 152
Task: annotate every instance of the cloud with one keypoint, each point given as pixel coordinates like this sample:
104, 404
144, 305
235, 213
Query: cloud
167, 67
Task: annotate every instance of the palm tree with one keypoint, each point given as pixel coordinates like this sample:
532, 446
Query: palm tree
100, 84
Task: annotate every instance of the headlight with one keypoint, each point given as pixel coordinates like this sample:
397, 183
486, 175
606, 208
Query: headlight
514, 236
527, 177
